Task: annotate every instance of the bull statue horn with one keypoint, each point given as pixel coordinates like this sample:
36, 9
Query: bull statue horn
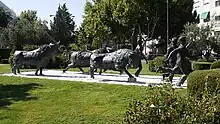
58, 43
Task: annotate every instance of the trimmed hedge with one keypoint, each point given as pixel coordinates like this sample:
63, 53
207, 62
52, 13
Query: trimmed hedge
156, 63
197, 81
201, 65
215, 65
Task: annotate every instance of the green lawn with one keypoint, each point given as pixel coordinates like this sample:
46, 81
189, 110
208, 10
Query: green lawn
33, 101
5, 68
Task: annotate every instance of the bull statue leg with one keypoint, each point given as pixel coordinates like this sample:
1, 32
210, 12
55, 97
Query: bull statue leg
41, 69
91, 69
138, 70
81, 69
131, 78
100, 70
69, 66
36, 73
14, 68
121, 72
18, 69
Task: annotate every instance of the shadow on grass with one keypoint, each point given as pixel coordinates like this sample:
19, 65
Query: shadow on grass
10, 93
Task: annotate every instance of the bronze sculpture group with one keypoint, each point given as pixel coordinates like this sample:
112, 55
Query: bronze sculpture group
107, 59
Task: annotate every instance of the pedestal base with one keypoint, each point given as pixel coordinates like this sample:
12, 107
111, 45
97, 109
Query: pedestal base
132, 79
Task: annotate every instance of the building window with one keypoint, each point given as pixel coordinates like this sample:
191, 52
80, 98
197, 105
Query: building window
205, 16
217, 3
217, 18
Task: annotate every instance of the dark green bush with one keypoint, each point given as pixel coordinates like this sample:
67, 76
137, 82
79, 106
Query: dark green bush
197, 80
215, 65
59, 61
163, 105
156, 62
201, 65
4, 55
204, 111
10, 59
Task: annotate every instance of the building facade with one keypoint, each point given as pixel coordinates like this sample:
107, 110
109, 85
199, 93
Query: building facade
208, 12
7, 9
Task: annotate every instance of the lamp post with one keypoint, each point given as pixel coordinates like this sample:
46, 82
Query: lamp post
167, 24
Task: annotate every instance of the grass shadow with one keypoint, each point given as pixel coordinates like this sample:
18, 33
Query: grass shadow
10, 93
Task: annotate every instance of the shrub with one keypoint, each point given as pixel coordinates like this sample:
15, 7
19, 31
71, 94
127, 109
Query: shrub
204, 111
215, 65
201, 65
11, 58
198, 79
163, 105
59, 61
4, 55
156, 63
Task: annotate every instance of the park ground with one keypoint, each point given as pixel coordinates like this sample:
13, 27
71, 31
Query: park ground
24, 100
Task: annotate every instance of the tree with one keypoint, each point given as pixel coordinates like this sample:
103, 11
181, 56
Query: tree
201, 38
125, 20
63, 26
26, 29
4, 18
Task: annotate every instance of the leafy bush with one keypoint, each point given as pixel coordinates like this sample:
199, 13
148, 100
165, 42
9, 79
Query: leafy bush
5, 53
204, 111
215, 65
198, 79
156, 63
11, 58
59, 61
201, 65
163, 105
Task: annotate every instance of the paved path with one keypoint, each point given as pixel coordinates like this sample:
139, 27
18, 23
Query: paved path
143, 80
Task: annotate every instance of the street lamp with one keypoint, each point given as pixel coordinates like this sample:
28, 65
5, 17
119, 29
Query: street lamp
167, 24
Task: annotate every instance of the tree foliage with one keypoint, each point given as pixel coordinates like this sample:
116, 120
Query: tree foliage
26, 29
4, 18
124, 20
63, 26
201, 38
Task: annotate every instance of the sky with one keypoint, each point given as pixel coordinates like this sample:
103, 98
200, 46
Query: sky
45, 8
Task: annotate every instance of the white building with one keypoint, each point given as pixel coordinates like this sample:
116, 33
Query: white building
7, 9
209, 12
